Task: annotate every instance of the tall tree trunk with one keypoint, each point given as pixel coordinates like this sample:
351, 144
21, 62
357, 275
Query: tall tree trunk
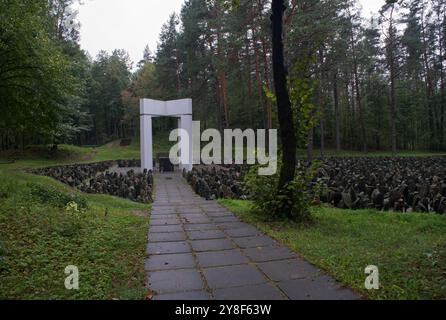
443, 102
358, 91
258, 75
428, 84
260, 89
177, 64
225, 99
269, 107
337, 115
248, 59
321, 99
360, 108
442, 85
285, 113
269, 112
392, 66
322, 136
222, 74
352, 113
393, 106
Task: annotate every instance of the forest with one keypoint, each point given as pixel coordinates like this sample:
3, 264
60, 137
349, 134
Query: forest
359, 104
355, 83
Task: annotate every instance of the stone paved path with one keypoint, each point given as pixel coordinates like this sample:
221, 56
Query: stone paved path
198, 250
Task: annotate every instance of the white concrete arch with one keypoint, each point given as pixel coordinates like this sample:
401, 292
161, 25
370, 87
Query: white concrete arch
181, 109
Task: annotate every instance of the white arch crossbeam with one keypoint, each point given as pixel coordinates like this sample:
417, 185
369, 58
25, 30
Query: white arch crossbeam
181, 109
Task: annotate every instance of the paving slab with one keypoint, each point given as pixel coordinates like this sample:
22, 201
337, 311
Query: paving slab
170, 262
206, 235
254, 242
167, 237
223, 213
194, 209
202, 227
233, 276
168, 247
162, 211
175, 281
164, 216
192, 215
165, 222
270, 253
242, 232
232, 225
323, 288
221, 258
184, 296
163, 229
212, 245
258, 292
225, 219
201, 220
288, 270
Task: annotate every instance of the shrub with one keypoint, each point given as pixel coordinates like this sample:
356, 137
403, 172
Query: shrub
269, 201
56, 198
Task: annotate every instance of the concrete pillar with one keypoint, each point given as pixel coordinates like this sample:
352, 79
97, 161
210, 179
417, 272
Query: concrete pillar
179, 151
146, 143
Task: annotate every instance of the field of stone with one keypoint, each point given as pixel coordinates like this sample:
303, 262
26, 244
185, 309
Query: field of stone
404, 184
120, 178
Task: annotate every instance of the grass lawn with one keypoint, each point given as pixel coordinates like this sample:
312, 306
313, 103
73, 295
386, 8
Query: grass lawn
409, 249
39, 237
40, 156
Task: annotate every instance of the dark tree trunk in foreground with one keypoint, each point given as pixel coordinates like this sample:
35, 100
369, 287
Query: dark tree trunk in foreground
285, 113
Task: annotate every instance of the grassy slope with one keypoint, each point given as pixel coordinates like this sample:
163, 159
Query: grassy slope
409, 249
38, 240
34, 157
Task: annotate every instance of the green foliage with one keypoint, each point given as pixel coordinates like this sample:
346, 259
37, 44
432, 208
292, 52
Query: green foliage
167, 60
42, 74
269, 202
110, 76
54, 197
301, 95
227, 4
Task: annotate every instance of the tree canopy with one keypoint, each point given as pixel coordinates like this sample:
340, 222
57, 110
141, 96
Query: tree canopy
354, 83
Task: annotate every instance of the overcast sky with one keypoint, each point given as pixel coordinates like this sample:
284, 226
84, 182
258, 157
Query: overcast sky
132, 24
